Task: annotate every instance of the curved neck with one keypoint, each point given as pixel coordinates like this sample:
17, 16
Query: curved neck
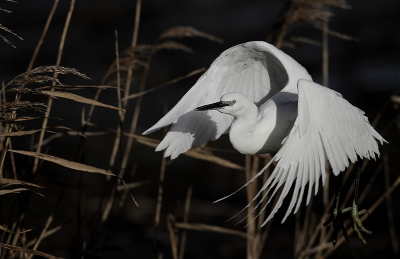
243, 129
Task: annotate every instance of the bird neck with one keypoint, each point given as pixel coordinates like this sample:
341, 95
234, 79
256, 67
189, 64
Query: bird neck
246, 118
243, 129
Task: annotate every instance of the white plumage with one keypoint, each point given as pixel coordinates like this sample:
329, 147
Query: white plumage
269, 103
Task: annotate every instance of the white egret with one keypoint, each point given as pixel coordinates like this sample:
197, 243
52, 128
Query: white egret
267, 102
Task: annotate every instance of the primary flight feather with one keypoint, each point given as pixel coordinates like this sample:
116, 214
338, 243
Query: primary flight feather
267, 102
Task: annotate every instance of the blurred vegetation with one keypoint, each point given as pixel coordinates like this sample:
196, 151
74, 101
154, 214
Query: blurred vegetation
72, 152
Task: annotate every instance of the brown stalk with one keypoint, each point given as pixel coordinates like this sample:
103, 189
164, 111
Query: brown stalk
370, 182
185, 220
119, 129
337, 34
135, 117
194, 72
137, 21
129, 186
107, 208
12, 229
297, 234
14, 169
326, 214
325, 74
262, 233
268, 226
266, 175
47, 234
251, 171
325, 199
196, 152
216, 229
55, 75
392, 229
351, 189
160, 193
370, 211
127, 88
27, 251
17, 232
134, 184
307, 223
4, 151
380, 113
172, 238
46, 27
325, 52
18, 96
44, 230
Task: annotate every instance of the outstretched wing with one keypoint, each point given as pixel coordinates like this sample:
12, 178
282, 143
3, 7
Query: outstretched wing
327, 128
253, 68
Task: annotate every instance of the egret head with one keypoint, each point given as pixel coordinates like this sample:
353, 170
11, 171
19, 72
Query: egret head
231, 103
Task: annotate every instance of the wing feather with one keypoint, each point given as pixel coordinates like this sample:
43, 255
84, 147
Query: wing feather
256, 69
327, 128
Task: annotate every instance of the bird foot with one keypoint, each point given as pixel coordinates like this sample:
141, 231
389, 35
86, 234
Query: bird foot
357, 224
336, 218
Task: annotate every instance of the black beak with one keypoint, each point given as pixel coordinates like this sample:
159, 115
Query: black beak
212, 106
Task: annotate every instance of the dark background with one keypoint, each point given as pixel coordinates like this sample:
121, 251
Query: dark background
365, 72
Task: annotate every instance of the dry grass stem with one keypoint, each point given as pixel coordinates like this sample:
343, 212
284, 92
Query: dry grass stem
19, 133
185, 220
392, 229
306, 11
9, 31
195, 72
16, 190
205, 227
27, 251
197, 153
132, 185
107, 208
121, 117
42, 234
14, 181
171, 45
306, 40
160, 192
174, 245
78, 98
364, 217
64, 162
55, 74
337, 34
370, 182
46, 27
131, 69
3, 228
137, 22
127, 88
251, 190
182, 31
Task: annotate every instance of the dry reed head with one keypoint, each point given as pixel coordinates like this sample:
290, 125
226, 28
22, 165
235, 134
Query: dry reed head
304, 11
8, 30
138, 56
314, 10
185, 32
8, 109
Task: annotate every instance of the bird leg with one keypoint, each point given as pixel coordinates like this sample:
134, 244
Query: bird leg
355, 214
336, 216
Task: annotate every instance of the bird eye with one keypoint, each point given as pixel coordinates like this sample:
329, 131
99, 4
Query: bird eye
234, 101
